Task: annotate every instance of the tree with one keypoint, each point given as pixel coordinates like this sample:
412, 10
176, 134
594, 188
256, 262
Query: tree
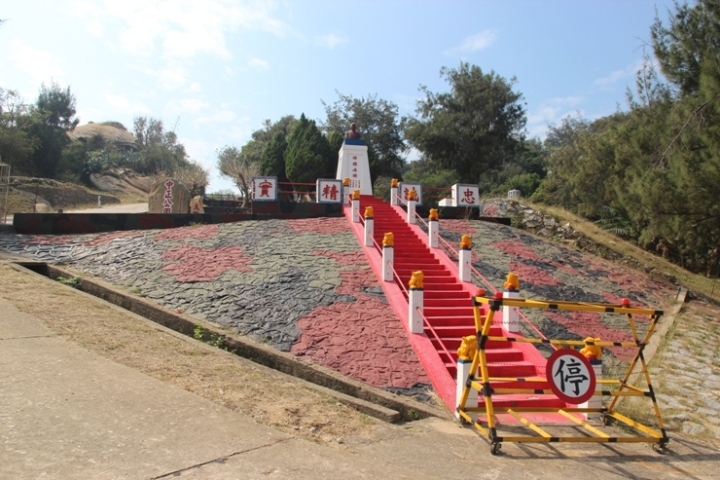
148, 131
273, 160
55, 109
308, 152
678, 137
475, 128
159, 151
236, 164
581, 159
335, 140
192, 175
690, 42
16, 145
379, 123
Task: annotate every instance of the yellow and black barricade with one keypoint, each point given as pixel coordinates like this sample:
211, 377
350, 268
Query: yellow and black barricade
574, 426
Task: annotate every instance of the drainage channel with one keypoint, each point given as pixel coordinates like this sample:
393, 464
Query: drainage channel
369, 400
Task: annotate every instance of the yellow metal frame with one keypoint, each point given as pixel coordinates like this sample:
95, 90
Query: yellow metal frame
488, 426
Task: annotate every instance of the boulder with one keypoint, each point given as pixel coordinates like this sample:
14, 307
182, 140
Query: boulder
169, 196
196, 205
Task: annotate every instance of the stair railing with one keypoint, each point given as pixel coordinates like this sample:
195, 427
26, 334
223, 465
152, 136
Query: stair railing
452, 254
395, 274
430, 332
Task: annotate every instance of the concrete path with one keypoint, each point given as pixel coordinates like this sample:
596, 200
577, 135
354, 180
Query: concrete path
68, 413
116, 208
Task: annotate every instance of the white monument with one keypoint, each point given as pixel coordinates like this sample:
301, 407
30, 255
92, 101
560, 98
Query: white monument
353, 163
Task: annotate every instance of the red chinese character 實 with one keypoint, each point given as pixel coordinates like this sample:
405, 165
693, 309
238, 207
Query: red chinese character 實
265, 187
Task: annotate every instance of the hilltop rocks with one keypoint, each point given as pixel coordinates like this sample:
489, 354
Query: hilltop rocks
527, 218
49, 195
111, 133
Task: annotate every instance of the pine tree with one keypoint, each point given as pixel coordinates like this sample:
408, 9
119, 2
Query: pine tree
306, 157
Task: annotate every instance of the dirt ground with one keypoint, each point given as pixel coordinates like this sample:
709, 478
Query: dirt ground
267, 396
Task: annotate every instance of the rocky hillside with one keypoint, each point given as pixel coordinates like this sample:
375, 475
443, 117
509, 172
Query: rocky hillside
43, 195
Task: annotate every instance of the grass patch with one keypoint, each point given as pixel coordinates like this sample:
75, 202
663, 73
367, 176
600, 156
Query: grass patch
74, 282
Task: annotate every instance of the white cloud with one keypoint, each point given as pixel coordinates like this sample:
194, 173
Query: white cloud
95, 28
123, 105
179, 29
236, 132
618, 75
551, 112
259, 64
331, 40
170, 77
200, 151
473, 43
218, 117
41, 65
191, 106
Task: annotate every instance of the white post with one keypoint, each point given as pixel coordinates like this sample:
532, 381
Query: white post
393, 195
415, 302
346, 194
99, 201
369, 231
510, 318
356, 210
463, 371
411, 212
433, 233
388, 254
596, 400
465, 257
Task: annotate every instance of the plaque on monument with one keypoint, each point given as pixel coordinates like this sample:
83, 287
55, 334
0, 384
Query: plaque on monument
353, 162
169, 196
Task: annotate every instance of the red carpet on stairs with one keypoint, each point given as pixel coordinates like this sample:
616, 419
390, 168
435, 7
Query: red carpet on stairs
448, 314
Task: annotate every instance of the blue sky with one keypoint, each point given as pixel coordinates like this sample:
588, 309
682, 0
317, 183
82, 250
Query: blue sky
213, 70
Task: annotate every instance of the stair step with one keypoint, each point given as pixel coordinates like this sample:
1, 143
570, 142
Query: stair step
450, 287
459, 294
511, 369
435, 269
464, 330
525, 400
447, 302
453, 343
492, 355
448, 321
414, 259
462, 311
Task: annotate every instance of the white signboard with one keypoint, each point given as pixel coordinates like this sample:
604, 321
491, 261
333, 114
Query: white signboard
264, 189
328, 190
405, 188
465, 195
